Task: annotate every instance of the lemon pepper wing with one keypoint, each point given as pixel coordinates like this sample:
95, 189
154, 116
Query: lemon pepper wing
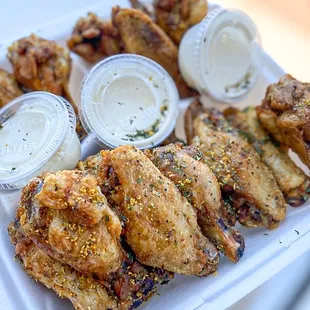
185, 167
246, 182
292, 181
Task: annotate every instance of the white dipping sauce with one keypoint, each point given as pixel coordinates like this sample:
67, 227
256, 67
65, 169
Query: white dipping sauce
222, 56
129, 99
37, 134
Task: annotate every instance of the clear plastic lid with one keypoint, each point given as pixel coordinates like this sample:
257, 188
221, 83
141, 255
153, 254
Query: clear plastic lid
36, 130
129, 99
228, 55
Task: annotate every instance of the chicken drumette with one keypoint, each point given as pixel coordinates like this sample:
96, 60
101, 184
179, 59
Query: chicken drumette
186, 168
285, 114
9, 88
292, 181
64, 220
246, 182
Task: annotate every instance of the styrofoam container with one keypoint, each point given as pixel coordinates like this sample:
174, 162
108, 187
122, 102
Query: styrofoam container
267, 252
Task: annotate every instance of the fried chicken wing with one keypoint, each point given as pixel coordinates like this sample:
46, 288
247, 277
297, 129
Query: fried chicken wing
285, 114
185, 167
160, 225
140, 35
292, 181
243, 178
9, 88
67, 215
83, 291
94, 39
176, 16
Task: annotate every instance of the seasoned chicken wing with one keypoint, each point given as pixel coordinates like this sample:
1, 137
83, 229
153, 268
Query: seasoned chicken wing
140, 35
244, 179
176, 16
285, 113
9, 88
292, 181
94, 39
186, 168
160, 225
82, 290
68, 220
68, 216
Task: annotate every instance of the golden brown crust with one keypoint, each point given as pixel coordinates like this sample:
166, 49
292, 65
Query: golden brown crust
185, 167
242, 176
94, 39
140, 35
285, 114
291, 179
161, 226
176, 16
9, 88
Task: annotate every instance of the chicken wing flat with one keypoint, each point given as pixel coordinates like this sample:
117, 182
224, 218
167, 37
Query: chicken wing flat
186, 168
94, 39
244, 179
285, 114
83, 291
9, 88
292, 181
140, 35
160, 225
176, 16
66, 218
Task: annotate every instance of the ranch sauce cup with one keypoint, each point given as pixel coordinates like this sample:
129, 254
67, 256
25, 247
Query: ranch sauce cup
128, 99
37, 134
222, 56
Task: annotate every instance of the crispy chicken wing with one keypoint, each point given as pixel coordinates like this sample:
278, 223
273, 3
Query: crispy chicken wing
140, 35
67, 219
243, 178
176, 16
68, 216
285, 113
82, 290
160, 225
195, 180
292, 181
9, 88
94, 39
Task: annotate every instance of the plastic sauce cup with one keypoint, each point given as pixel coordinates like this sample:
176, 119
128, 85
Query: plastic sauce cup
222, 56
129, 99
37, 134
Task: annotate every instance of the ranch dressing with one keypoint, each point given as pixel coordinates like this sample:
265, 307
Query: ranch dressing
222, 55
129, 99
37, 133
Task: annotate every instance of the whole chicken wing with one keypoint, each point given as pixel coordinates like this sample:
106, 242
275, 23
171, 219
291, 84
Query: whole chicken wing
140, 35
285, 114
176, 16
244, 179
9, 88
292, 181
185, 167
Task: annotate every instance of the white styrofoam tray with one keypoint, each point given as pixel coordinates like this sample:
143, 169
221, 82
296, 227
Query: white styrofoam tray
267, 252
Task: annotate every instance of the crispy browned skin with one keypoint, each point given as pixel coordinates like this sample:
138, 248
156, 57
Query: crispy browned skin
83, 291
243, 178
176, 16
185, 167
160, 225
285, 113
147, 8
9, 88
94, 39
69, 218
65, 215
292, 181
140, 35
